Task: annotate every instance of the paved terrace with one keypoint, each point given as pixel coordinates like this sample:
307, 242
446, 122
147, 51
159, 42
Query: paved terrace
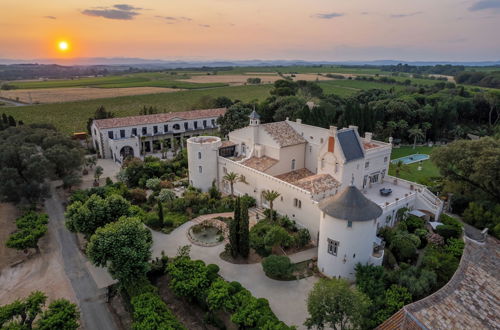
470, 300
398, 191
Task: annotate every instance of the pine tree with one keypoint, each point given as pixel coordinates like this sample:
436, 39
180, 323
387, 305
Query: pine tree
234, 229
244, 243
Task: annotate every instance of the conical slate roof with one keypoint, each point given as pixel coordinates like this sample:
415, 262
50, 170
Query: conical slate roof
254, 115
351, 205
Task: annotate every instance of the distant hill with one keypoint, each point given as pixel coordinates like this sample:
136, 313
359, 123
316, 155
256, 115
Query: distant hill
175, 64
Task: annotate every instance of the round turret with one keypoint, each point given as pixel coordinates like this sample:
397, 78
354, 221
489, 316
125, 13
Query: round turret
203, 152
347, 233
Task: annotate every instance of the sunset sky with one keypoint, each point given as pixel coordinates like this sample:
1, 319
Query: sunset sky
252, 29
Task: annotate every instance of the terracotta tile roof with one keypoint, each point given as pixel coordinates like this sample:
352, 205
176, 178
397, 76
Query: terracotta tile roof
307, 180
227, 144
260, 164
318, 183
370, 145
296, 175
158, 118
283, 134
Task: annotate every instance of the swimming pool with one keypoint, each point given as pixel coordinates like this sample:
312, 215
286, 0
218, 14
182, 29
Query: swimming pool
410, 159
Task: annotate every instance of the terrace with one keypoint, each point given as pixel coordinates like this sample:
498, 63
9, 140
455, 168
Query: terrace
400, 191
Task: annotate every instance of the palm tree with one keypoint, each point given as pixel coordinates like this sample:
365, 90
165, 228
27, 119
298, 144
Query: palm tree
231, 178
416, 133
400, 167
270, 196
426, 126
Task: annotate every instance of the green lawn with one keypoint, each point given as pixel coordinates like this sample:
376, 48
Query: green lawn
72, 116
429, 170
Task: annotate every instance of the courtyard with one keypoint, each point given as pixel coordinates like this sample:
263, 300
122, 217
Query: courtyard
286, 298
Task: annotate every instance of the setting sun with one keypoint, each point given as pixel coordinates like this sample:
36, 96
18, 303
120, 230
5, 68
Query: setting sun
63, 46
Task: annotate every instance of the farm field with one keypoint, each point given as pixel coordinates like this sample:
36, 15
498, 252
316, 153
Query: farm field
146, 79
58, 95
72, 117
429, 170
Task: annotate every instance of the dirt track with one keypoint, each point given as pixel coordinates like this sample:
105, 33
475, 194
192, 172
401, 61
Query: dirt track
44, 272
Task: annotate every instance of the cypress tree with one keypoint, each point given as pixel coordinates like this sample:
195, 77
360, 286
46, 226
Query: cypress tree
160, 212
12, 121
234, 229
244, 243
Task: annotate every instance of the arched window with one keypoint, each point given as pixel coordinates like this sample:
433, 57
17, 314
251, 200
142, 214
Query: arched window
177, 126
199, 154
293, 164
200, 169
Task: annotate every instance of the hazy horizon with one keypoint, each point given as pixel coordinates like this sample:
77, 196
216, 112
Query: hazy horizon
319, 30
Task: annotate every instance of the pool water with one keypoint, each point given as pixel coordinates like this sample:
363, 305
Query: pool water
410, 159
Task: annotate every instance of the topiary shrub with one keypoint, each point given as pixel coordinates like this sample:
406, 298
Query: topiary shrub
278, 267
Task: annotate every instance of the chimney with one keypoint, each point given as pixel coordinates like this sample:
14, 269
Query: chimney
368, 136
333, 130
299, 121
287, 119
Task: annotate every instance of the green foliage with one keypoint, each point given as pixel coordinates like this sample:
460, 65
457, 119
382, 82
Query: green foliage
234, 228
455, 247
471, 167
150, 312
244, 230
419, 282
136, 172
61, 314
95, 212
21, 314
30, 157
393, 300
166, 195
276, 236
448, 231
278, 267
235, 117
413, 223
481, 217
220, 296
332, 303
188, 278
303, 237
371, 280
404, 246
30, 228
153, 184
124, 246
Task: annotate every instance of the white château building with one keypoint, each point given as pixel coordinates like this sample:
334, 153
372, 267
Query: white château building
137, 136
329, 182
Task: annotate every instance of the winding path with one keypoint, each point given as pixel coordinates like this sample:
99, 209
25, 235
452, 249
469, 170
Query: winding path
95, 313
